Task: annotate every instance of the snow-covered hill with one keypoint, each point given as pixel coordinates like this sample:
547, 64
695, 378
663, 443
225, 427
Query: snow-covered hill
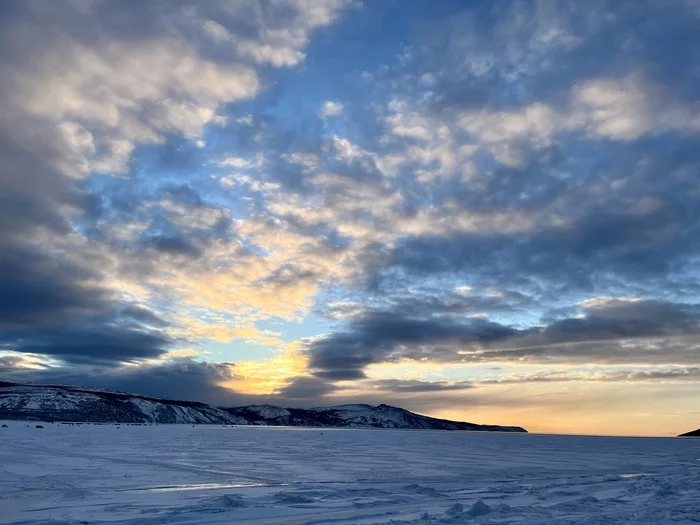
66, 403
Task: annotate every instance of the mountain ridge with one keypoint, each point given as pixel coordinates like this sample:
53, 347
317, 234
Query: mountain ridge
692, 433
74, 403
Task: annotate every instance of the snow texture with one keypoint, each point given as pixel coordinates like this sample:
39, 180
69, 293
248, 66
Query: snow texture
210, 474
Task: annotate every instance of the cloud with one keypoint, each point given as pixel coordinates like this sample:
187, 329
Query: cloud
623, 223
331, 109
179, 378
515, 185
85, 224
273, 34
617, 109
118, 339
57, 308
660, 374
309, 389
607, 331
386, 336
408, 386
109, 98
173, 244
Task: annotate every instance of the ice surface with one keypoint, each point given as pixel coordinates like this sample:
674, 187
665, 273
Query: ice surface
221, 475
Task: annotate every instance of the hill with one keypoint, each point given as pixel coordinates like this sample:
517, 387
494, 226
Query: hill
67, 403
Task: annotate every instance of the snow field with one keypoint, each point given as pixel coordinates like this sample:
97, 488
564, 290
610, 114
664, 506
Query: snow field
122, 474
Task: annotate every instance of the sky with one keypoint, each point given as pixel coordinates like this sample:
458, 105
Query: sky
479, 210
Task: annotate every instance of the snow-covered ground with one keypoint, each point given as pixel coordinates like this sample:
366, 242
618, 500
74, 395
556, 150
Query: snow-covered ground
210, 475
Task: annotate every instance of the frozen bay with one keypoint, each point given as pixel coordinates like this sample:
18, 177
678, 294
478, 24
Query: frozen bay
212, 474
